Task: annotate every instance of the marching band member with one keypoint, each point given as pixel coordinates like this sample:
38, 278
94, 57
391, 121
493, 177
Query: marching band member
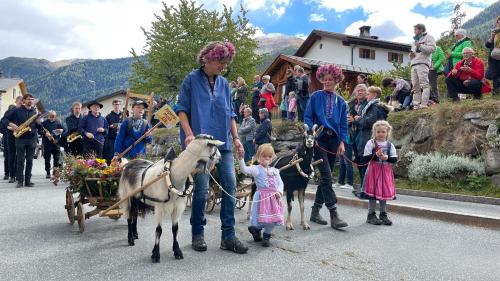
132, 129
26, 143
10, 142
51, 133
114, 118
93, 128
75, 147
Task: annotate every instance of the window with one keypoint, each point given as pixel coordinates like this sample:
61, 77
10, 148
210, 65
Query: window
14, 93
395, 57
366, 54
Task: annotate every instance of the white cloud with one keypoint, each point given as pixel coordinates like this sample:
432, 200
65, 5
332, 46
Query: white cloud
270, 7
400, 12
301, 35
316, 17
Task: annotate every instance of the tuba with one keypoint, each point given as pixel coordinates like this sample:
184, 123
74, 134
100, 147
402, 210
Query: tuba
73, 137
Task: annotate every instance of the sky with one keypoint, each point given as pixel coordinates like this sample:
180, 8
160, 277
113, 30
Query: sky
102, 29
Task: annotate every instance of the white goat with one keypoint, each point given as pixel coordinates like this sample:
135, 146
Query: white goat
201, 153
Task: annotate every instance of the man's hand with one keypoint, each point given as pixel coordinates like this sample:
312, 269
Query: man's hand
357, 117
188, 140
89, 135
100, 130
466, 83
454, 71
465, 68
13, 127
239, 148
350, 118
341, 149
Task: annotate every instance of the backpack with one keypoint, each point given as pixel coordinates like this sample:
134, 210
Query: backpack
129, 127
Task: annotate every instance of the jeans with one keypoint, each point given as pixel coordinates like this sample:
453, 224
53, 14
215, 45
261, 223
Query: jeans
54, 151
227, 179
25, 150
249, 147
346, 166
324, 193
301, 107
407, 101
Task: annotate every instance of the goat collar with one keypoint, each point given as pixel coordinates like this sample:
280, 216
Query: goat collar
171, 187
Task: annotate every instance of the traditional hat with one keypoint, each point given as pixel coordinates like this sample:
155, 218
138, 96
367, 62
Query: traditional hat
94, 102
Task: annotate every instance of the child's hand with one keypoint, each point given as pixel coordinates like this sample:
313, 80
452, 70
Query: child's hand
379, 152
384, 157
278, 195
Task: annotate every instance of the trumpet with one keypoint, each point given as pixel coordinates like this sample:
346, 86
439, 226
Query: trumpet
73, 137
50, 136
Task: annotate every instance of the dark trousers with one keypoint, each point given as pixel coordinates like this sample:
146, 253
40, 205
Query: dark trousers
324, 193
301, 107
255, 108
76, 148
237, 104
493, 74
25, 150
51, 151
108, 150
5, 144
92, 147
456, 86
346, 165
433, 75
362, 166
11, 143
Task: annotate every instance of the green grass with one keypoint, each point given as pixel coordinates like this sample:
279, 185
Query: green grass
476, 186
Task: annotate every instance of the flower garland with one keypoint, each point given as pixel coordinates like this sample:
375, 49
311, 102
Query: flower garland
330, 69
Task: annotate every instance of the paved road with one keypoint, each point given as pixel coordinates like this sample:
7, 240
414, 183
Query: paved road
37, 243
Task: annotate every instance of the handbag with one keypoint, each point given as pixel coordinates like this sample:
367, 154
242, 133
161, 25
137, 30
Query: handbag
495, 53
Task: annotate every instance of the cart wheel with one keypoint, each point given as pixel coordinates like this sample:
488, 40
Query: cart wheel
80, 216
70, 207
210, 200
240, 204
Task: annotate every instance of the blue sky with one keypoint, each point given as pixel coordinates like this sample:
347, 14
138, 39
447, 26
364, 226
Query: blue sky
65, 29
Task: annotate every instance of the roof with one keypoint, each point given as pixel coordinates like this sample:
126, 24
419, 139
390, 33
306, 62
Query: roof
312, 64
108, 96
7, 83
347, 40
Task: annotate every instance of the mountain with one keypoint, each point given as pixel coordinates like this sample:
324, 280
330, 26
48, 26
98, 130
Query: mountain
60, 83
481, 25
271, 46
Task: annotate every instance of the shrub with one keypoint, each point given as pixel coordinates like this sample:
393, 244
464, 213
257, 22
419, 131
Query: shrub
437, 166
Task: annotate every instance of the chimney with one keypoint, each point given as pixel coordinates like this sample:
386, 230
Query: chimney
364, 31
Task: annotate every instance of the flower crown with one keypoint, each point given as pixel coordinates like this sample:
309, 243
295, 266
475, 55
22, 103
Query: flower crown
334, 70
220, 51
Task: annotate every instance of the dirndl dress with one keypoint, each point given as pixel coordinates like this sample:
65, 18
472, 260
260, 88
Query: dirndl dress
378, 182
270, 210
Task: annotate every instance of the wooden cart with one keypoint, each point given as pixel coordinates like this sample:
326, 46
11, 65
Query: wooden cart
214, 196
95, 195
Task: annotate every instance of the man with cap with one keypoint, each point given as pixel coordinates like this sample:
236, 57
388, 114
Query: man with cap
131, 130
93, 128
114, 119
26, 143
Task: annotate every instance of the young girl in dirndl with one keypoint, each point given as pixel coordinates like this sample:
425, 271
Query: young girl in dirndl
267, 208
378, 183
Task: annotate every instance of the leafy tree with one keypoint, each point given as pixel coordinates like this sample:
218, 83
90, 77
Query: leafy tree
176, 37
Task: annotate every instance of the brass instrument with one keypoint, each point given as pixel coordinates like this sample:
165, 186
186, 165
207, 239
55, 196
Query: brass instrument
25, 126
50, 136
73, 137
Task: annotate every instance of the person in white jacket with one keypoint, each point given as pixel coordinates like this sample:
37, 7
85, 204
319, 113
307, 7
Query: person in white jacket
420, 60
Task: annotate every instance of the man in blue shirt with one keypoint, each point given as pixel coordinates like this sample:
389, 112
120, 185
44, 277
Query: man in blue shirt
93, 127
205, 107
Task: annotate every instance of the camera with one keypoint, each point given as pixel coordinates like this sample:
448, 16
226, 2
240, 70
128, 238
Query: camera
496, 30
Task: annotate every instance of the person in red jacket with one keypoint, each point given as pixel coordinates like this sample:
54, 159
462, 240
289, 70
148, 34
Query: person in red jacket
467, 77
266, 99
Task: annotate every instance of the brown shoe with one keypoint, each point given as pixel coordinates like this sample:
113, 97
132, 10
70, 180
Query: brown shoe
316, 217
335, 221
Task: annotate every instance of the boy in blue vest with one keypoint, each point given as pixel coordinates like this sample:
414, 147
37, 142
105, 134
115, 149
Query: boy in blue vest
131, 130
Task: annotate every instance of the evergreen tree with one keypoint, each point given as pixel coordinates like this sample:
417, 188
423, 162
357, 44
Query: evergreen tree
176, 37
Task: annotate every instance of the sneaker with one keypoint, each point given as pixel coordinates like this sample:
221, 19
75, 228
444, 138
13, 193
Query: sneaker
336, 185
257, 237
234, 245
199, 244
347, 186
384, 219
372, 219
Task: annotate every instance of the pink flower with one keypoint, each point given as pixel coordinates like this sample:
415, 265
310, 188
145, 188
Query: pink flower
220, 51
330, 69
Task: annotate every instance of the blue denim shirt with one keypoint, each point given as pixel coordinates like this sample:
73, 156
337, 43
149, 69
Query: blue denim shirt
316, 113
208, 112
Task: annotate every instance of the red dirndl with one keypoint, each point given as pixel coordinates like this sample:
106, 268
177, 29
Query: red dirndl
379, 181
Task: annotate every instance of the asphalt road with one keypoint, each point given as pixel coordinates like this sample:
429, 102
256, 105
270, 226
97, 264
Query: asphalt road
38, 243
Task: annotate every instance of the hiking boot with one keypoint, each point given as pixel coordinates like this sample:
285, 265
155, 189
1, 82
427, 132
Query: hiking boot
199, 244
335, 221
316, 217
372, 219
257, 237
19, 184
384, 219
234, 245
266, 242
29, 184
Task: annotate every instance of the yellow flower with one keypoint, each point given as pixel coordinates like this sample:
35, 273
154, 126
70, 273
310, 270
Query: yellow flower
100, 161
